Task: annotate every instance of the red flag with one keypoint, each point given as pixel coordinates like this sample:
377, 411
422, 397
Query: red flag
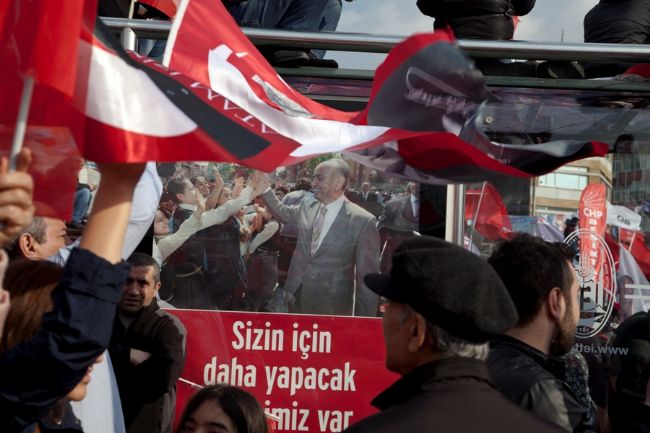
641, 253
593, 217
422, 96
40, 39
168, 7
485, 211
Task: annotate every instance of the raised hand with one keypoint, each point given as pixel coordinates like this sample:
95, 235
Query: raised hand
218, 180
262, 184
239, 186
16, 189
200, 204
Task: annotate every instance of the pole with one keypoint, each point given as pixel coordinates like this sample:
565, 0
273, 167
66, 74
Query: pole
128, 39
21, 122
478, 209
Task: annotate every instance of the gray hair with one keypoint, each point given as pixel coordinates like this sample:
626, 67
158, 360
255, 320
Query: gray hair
448, 345
340, 167
37, 229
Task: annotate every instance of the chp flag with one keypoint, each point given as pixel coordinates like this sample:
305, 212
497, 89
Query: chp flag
622, 217
420, 122
592, 224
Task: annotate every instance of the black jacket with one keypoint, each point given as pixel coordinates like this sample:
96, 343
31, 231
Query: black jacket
532, 380
618, 22
147, 390
476, 19
450, 395
37, 373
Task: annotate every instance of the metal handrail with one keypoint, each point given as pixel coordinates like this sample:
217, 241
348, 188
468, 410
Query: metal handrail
372, 43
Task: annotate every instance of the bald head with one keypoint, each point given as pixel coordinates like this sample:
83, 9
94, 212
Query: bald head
330, 180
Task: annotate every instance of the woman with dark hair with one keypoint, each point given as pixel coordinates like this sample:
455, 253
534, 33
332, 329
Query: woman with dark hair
31, 300
224, 409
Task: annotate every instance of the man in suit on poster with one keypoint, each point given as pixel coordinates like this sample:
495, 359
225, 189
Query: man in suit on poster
368, 200
399, 219
337, 245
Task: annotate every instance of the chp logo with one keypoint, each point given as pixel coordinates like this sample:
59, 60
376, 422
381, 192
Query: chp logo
596, 282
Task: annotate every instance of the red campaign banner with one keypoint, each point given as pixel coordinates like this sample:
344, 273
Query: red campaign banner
310, 373
593, 217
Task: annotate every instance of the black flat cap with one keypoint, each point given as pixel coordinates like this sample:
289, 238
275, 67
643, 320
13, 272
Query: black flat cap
451, 287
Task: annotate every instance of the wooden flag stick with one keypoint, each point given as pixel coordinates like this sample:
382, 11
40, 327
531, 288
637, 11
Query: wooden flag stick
21, 122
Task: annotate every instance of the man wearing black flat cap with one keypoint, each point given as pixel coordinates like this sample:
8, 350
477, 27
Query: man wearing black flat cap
444, 303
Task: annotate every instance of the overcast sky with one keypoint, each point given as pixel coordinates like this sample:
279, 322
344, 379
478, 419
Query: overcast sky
402, 17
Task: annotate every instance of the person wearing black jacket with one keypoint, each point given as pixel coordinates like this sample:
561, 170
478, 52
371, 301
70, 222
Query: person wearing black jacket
436, 326
618, 22
148, 351
39, 372
476, 19
543, 287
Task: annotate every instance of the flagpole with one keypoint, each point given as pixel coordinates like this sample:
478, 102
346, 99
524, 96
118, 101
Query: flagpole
132, 9
478, 207
21, 122
632, 241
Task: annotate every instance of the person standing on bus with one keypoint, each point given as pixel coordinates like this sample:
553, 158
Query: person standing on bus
436, 326
477, 19
298, 15
337, 245
618, 22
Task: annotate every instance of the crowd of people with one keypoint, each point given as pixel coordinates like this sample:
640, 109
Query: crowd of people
255, 245
479, 345
496, 340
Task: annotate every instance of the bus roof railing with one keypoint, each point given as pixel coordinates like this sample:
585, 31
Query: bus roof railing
373, 43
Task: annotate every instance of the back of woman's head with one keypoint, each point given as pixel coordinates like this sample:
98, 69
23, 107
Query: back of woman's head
241, 407
30, 284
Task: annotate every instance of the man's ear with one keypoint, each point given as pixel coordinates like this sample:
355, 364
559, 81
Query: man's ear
417, 327
556, 304
27, 245
156, 287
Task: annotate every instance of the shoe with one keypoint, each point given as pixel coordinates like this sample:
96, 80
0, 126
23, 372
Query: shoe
287, 58
559, 69
317, 62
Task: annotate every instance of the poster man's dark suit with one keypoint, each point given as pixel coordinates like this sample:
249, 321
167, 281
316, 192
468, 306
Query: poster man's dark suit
369, 201
396, 224
331, 280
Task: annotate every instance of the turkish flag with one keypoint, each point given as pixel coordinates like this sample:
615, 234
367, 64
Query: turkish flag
39, 40
641, 253
488, 215
168, 7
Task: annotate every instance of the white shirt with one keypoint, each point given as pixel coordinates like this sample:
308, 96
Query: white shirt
164, 246
146, 198
415, 205
333, 210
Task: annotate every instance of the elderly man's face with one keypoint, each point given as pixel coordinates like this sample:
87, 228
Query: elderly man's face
54, 239
327, 184
365, 187
396, 337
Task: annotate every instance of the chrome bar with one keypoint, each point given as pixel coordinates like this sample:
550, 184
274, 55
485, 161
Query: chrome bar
128, 39
372, 43
455, 215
